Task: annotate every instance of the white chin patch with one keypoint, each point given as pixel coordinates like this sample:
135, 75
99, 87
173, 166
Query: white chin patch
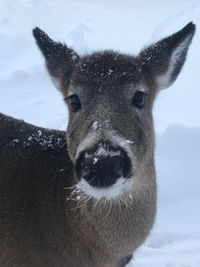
108, 193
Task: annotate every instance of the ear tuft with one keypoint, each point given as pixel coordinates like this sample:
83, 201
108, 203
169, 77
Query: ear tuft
165, 59
60, 60
188, 29
46, 44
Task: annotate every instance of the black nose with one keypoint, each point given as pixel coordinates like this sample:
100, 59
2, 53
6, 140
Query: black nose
103, 165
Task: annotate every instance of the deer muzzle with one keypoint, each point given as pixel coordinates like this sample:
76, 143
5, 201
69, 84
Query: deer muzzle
102, 165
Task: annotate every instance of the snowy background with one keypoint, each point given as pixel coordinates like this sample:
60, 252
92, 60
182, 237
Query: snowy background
125, 25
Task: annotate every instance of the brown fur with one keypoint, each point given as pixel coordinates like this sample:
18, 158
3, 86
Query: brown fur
38, 226
44, 221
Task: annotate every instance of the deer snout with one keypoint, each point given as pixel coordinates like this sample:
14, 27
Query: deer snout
103, 165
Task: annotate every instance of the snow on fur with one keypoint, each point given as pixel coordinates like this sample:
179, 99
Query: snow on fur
27, 93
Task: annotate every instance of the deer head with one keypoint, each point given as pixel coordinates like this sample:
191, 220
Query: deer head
110, 97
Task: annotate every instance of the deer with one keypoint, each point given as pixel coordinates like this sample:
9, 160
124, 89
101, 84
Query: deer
87, 197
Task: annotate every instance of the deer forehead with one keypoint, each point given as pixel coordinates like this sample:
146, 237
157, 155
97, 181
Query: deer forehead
106, 72
106, 68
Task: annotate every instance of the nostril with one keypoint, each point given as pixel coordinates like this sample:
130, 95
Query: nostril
86, 162
118, 165
84, 166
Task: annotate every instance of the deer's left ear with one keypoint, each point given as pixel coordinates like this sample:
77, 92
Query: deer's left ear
164, 59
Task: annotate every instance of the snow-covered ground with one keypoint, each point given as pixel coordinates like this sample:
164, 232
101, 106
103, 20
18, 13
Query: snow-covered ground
125, 25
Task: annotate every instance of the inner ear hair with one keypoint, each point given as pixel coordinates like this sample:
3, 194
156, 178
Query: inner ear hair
165, 59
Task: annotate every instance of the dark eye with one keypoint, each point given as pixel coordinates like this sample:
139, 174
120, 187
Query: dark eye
138, 99
74, 102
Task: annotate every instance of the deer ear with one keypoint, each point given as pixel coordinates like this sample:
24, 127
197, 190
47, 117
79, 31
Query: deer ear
60, 60
164, 59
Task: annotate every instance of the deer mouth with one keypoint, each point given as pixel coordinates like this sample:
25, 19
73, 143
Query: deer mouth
103, 170
111, 192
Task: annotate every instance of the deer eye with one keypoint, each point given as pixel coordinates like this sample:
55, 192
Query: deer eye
138, 99
74, 102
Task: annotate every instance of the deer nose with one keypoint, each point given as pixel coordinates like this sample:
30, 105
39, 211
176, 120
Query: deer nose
103, 166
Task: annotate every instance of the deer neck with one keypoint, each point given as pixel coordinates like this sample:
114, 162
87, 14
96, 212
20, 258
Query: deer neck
121, 223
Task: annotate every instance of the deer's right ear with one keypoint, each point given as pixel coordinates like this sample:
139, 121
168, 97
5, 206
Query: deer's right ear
164, 59
60, 60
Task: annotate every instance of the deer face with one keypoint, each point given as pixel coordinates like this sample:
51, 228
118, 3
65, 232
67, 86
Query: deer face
110, 123
110, 98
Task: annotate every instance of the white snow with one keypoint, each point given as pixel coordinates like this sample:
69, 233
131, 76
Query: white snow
95, 160
95, 125
102, 152
26, 92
